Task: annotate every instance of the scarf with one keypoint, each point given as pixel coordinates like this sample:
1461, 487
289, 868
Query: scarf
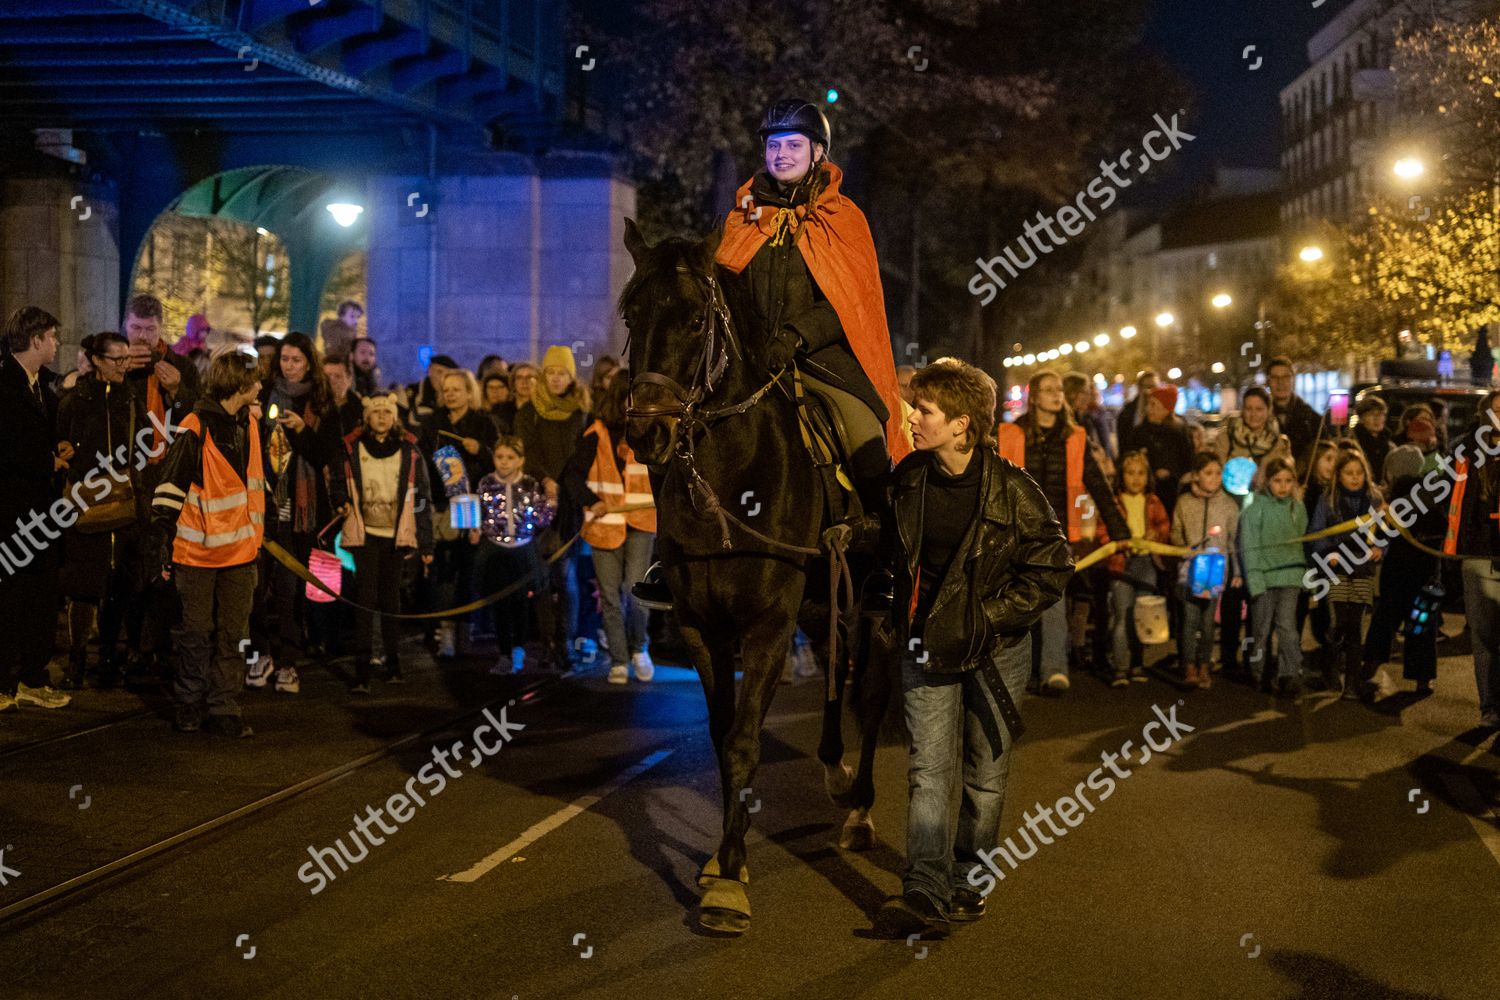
156, 404
834, 238
296, 494
1256, 444
550, 407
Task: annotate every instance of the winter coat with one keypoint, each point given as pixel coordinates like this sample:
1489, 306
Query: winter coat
1168, 446
1158, 529
1300, 423
473, 424
1355, 561
413, 497
1270, 559
1194, 522
1047, 463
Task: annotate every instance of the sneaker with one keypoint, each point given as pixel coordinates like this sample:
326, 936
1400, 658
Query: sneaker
42, 697
644, 668
395, 676
7, 702
619, 674
186, 720
231, 726
360, 687
1120, 681
377, 662
1058, 683
287, 681
968, 905
806, 664
445, 650
259, 673
1138, 675
912, 913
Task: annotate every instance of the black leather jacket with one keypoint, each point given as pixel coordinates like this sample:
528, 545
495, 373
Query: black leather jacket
1012, 565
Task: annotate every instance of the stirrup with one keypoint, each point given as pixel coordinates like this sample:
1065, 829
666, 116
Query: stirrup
651, 592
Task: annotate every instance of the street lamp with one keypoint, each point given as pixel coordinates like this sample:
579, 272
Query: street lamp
1126, 332
1081, 346
1101, 340
1174, 373
1165, 319
344, 213
1064, 349
1409, 168
1222, 301
1310, 254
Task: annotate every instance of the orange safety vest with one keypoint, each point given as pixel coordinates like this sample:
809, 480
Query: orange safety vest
608, 531
1456, 506
1011, 444
223, 520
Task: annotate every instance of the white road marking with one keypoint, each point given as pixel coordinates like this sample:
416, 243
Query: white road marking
543, 827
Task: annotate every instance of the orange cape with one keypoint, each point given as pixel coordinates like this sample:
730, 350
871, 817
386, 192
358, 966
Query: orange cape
835, 241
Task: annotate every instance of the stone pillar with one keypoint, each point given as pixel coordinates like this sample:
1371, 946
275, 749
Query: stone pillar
505, 260
59, 249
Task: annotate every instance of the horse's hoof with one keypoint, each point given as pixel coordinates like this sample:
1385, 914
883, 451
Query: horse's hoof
711, 872
858, 833
725, 907
837, 782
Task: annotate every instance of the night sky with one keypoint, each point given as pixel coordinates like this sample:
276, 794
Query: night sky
1237, 117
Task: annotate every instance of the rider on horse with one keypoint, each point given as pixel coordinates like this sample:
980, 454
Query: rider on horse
810, 262
815, 281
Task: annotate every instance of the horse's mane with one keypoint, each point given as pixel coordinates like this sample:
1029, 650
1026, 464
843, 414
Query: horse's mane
671, 253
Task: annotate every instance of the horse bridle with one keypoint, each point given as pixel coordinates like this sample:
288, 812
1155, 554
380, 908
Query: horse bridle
717, 334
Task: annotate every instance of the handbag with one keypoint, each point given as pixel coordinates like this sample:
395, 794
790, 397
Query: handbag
117, 508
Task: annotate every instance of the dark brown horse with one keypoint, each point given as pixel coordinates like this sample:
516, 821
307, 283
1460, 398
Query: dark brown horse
741, 536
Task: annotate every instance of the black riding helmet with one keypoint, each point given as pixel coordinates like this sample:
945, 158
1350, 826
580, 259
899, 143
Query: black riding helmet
794, 115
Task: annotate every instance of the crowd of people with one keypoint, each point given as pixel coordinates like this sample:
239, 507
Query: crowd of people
1231, 536
155, 487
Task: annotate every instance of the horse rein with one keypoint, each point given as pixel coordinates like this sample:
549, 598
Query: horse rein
717, 333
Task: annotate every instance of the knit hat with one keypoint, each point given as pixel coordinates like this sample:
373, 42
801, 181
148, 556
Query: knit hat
558, 356
1166, 395
1400, 462
375, 404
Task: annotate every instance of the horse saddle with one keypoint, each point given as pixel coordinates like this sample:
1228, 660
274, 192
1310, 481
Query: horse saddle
827, 440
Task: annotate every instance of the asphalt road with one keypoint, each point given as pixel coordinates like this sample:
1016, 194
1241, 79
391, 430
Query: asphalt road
1281, 850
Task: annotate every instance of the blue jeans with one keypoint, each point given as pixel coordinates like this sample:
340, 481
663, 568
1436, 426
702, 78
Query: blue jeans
1482, 606
1276, 608
617, 571
1196, 644
948, 744
1122, 594
1050, 636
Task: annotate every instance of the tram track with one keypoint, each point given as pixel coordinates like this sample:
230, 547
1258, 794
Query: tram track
39, 901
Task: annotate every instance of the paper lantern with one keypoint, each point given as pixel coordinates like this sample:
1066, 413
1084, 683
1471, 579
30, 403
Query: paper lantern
463, 512
1206, 574
1151, 620
327, 568
1238, 473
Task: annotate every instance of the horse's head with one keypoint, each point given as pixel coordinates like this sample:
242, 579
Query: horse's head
671, 305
